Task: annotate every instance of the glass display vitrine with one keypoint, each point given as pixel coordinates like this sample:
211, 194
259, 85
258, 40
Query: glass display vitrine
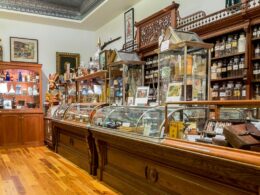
92, 88
81, 112
194, 123
144, 121
20, 86
126, 74
183, 67
60, 111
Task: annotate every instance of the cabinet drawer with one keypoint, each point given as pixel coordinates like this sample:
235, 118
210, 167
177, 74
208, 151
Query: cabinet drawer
74, 142
167, 179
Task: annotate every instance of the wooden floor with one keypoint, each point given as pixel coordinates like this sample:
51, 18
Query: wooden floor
37, 171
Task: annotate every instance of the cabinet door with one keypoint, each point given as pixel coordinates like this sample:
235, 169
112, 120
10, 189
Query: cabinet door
9, 129
32, 129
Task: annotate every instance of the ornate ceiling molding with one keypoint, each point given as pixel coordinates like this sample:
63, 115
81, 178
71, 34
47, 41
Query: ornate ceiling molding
67, 9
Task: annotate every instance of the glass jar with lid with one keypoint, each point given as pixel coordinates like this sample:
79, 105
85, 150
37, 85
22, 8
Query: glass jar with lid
229, 90
215, 92
256, 70
222, 92
237, 91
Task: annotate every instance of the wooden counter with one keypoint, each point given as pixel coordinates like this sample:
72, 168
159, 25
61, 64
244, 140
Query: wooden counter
75, 142
135, 165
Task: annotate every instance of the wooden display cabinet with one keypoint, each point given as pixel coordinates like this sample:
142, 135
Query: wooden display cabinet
22, 123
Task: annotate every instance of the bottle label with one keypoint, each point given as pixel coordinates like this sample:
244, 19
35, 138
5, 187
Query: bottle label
229, 68
244, 93
214, 94
228, 46
241, 66
235, 67
255, 71
222, 94
219, 70
234, 44
223, 69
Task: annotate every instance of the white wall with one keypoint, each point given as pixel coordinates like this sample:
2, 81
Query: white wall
146, 8
51, 39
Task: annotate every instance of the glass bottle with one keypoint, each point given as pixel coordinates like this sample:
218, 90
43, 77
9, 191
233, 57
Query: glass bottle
214, 71
243, 92
257, 92
256, 70
13, 103
242, 43
229, 94
7, 76
241, 67
230, 68
224, 69
215, 92
222, 48
20, 77
219, 69
257, 51
235, 66
222, 92
258, 32
217, 49
228, 46
237, 91
234, 44
255, 32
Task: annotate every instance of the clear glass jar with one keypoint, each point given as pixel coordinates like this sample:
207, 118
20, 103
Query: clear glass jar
257, 51
222, 92
235, 66
234, 44
228, 47
242, 43
256, 70
241, 67
230, 68
243, 92
215, 92
214, 71
219, 70
237, 91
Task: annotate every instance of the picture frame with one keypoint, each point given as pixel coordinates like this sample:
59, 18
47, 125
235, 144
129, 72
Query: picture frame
24, 50
7, 104
142, 95
103, 59
63, 58
174, 92
129, 25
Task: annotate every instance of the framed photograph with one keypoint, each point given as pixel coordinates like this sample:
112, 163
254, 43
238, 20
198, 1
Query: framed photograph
174, 92
142, 94
7, 104
103, 59
23, 50
129, 25
64, 60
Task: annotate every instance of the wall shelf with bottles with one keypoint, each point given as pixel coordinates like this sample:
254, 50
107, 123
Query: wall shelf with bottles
20, 86
229, 66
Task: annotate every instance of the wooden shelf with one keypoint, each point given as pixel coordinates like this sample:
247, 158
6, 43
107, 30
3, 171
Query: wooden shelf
150, 67
256, 59
228, 56
256, 39
18, 82
256, 81
227, 79
99, 74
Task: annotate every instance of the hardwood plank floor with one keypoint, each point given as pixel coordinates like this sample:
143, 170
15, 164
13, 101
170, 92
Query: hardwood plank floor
39, 171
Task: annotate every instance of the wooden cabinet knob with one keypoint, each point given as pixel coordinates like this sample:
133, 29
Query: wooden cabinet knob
151, 174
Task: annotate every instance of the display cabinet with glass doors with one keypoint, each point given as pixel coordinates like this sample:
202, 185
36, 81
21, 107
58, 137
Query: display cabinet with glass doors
92, 88
125, 75
183, 67
235, 124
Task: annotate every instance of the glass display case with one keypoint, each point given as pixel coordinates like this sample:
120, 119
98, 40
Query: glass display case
126, 74
81, 112
194, 123
20, 86
183, 67
92, 88
60, 111
144, 121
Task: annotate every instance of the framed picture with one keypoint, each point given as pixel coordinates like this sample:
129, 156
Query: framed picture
7, 104
64, 60
129, 25
142, 94
103, 59
23, 50
174, 92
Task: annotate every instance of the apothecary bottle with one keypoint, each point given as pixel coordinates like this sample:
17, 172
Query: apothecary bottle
222, 92
219, 69
234, 44
230, 68
224, 69
229, 91
215, 92
222, 48
235, 66
256, 71
237, 91
216, 48
243, 92
257, 92
242, 43
7, 76
257, 51
228, 47
255, 32
241, 69
214, 71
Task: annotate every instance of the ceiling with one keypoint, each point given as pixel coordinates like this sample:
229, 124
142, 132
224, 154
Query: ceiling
85, 14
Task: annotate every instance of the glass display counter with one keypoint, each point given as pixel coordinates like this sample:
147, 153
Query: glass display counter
60, 111
144, 121
81, 112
